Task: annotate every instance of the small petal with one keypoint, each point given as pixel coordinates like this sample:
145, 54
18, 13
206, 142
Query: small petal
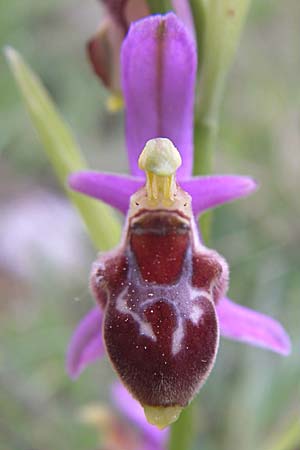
135, 9
135, 413
158, 74
243, 324
211, 191
111, 188
124, 12
104, 54
103, 49
86, 344
116, 10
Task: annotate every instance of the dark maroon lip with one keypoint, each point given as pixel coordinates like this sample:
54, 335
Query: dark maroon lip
145, 211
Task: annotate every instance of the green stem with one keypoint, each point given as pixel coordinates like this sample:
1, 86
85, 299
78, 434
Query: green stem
205, 138
159, 6
289, 440
198, 9
183, 431
206, 134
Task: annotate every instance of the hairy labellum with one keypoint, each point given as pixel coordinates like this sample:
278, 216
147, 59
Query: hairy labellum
159, 290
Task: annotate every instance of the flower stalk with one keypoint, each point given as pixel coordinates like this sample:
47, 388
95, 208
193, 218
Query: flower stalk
218, 25
183, 431
198, 8
159, 6
287, 440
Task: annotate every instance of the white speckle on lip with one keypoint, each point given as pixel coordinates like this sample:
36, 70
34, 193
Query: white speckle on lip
196, 314
145, 327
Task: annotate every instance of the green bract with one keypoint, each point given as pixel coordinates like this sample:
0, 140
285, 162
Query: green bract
63, 152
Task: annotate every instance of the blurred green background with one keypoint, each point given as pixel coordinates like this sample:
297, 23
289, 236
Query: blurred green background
252, 396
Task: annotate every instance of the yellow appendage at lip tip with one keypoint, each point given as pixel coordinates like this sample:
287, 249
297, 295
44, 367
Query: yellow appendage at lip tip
160, 159
115, 102
161, 416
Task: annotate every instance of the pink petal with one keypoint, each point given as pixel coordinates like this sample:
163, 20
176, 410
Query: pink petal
131, 409
214, 190
158, 60
86, 344
111, 188
246, 325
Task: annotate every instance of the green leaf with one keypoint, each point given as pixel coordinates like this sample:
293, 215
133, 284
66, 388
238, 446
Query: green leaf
288, 439
225, 19
223, 25
63, 151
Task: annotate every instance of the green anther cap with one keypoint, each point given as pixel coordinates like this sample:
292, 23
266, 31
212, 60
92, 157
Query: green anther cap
160, 160
160, 157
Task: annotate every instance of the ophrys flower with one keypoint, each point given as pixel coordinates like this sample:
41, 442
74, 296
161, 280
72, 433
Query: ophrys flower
162, 291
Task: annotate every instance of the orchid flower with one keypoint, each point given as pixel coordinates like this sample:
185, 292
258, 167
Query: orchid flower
161, 293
